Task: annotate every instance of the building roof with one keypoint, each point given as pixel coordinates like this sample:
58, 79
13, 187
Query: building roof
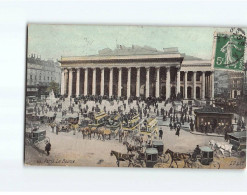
210, 109
134, 52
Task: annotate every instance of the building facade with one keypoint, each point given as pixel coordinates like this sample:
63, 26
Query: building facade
236, 81
40, 73
128, 73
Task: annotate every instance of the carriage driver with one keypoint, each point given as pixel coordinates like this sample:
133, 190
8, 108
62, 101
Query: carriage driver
197, 150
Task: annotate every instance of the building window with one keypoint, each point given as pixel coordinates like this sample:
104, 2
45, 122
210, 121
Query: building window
181, 77
39, 77
190, 75
35, 77
198, 76
31, 77
48, 78
44, 78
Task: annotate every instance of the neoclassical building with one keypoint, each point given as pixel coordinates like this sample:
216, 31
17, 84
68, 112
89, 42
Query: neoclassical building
135, 71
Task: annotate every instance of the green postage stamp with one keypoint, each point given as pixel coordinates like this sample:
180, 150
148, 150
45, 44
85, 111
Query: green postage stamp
229, 51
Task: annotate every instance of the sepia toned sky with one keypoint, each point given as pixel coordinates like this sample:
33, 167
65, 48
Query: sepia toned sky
54, 41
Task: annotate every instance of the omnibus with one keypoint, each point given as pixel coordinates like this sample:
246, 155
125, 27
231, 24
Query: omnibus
99, 120
149, 127
114, 122
132, 125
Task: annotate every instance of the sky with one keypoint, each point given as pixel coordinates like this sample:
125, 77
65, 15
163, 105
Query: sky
54, 41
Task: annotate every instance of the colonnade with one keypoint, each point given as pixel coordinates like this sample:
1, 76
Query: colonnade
206, 83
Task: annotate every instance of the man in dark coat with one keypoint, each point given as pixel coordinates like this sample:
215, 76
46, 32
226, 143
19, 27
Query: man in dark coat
48, 148
160, 134
170, 125
178, 130
191, 126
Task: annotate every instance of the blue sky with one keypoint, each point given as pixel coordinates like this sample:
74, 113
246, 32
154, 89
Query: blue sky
54, 41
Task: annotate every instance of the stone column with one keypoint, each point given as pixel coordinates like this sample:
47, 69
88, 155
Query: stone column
157, 83
203, 85
138, 82
178, 80
168, 83
119, 82
102, 82
85, 81
78, 82
194, 84
147, 81
66, 81
94, 82
70, 82
185, 84
62, 81
129, 83
212, 85
110, 82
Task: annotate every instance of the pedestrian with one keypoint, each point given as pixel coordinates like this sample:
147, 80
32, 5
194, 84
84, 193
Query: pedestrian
226, 136
57, 129
52, 127
170, 125
178, 130
160, 134
191, 126
48, 148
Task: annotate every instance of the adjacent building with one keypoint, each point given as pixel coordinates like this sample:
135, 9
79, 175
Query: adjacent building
138, 71
221, 84
236, 84
40, 73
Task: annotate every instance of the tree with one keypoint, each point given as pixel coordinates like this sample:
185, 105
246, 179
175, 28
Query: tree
53, 86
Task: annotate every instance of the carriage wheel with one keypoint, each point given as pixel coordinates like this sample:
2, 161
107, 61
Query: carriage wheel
36, 143
242, 153
166, 158
215, 165
134, 164
196, 165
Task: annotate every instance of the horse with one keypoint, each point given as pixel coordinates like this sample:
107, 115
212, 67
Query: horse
94, 130
131, 148
137, 139
102, 131
120, 133
86, 131
178, 157
122, 157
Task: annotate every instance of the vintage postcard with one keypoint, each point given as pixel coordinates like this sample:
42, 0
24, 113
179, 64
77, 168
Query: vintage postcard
136, 96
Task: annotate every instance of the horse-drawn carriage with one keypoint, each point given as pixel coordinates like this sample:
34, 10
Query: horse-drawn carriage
148, 128
99, 120
159, 145
151, 157
69, 123
36, 137
132, 125
203, 155
114, 122
238, 140
73, 122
